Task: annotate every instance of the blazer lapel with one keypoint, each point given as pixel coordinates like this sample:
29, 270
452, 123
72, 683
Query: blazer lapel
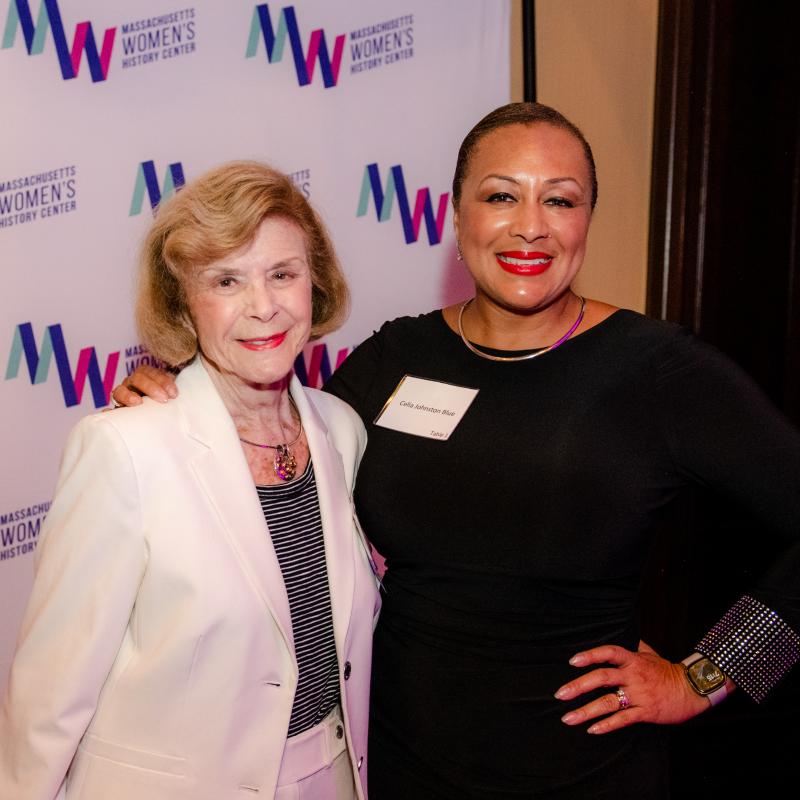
335, 511
222, 471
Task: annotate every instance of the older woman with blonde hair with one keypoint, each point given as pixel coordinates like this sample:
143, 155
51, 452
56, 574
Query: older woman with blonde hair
201, 619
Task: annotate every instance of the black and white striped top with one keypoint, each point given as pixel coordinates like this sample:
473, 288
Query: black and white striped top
292, 514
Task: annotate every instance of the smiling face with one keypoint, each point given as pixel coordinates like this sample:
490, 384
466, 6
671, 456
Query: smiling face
252, 309
524, 214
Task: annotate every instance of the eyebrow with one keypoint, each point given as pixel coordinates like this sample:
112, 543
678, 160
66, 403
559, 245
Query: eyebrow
549, 181
219, 268
214, 269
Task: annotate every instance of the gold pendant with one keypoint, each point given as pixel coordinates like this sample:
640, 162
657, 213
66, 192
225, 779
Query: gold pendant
285, 463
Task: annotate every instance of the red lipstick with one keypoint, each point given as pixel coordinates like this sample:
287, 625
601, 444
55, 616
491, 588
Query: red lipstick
524, 262
266, 343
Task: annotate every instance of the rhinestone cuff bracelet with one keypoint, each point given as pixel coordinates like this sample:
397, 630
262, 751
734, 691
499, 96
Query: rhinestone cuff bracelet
752, 645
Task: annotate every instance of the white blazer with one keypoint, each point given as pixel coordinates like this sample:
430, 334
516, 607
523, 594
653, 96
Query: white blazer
157, 645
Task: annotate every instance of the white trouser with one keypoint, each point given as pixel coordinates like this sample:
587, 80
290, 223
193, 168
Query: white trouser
315, 764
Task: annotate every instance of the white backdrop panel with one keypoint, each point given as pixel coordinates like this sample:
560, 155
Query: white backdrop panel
178, 88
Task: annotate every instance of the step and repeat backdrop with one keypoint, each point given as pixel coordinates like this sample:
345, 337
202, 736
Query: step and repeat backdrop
109, 106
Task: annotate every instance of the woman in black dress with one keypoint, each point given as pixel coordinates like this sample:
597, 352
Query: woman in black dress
515, 547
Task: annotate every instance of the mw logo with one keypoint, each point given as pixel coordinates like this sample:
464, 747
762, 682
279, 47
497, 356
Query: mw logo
69, 58
317, 369
147, 180
396, 186
53, 346
275, 39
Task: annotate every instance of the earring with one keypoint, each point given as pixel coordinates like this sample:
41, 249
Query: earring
459, 254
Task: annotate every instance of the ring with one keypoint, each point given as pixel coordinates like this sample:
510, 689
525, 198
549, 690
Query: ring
624, 700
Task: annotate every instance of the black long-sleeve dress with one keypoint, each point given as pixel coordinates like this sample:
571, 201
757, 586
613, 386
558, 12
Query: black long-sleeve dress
521, 540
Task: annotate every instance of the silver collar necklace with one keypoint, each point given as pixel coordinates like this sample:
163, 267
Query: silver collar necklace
526, 356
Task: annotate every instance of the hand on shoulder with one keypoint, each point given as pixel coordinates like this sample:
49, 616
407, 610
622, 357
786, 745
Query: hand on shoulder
145, 381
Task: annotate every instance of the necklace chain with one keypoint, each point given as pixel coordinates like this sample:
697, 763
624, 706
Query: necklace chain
527, 356
275, 446
285, 464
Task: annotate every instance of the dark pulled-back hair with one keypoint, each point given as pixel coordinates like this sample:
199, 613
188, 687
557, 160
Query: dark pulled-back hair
518, 114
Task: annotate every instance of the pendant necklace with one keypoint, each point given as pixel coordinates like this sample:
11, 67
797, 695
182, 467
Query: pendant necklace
526, 356
284, 464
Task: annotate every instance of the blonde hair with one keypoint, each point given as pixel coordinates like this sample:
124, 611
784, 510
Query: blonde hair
209, 219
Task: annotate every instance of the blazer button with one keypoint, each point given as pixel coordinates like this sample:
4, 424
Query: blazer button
347, 670
360, 762
339, 731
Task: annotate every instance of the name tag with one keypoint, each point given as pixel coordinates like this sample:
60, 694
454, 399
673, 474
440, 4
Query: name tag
425, 408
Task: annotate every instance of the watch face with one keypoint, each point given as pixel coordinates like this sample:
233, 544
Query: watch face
705, 676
